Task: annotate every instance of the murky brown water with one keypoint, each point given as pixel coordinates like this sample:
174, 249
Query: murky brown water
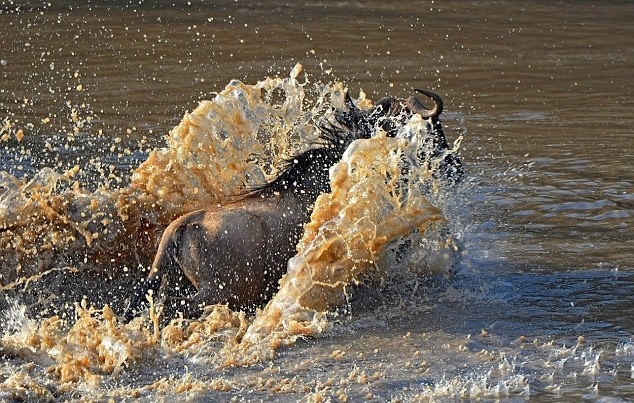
543, 96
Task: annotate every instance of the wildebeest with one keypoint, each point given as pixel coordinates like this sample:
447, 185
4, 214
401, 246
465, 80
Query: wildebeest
237, 253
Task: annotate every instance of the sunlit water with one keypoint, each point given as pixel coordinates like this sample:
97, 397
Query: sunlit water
540, 303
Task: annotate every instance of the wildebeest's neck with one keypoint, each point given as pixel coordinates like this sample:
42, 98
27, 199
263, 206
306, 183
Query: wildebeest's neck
307, 173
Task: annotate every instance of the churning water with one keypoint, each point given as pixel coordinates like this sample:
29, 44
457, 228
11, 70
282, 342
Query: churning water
96, 157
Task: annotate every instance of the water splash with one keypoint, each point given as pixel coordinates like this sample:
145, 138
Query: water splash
52, 224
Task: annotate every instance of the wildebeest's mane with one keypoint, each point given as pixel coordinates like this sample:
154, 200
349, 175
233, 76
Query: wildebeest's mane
307, 172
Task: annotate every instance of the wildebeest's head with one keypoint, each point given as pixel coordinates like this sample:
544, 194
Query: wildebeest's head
391, 114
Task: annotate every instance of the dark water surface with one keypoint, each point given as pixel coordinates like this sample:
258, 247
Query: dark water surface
542, 93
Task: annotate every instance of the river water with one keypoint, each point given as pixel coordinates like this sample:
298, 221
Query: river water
540, 303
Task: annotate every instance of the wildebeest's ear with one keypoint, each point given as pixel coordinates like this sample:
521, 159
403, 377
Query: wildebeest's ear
384, 106
353, 110
349, 102
351, 116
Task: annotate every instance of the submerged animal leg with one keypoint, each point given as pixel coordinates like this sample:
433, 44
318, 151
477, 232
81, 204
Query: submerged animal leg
139, 296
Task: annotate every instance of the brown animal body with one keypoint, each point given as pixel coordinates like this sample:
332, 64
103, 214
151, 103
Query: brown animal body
233, 254
236, 253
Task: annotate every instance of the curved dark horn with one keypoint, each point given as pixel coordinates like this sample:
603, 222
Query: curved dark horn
416, 106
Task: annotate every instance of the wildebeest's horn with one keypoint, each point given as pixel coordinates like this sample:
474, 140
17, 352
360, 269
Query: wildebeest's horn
416, 106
